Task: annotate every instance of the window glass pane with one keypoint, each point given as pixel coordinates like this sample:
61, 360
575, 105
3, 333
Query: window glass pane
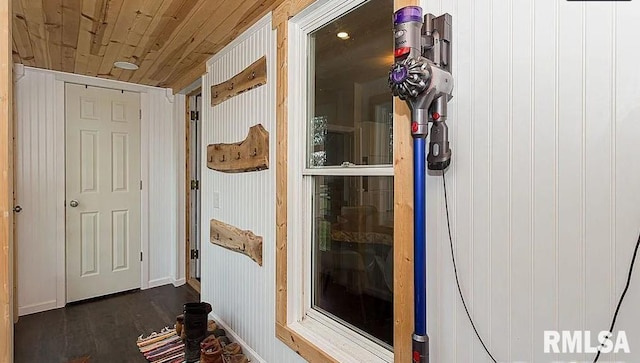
352, 117
353, 252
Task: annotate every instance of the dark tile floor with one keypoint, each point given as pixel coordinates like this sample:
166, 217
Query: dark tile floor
104, 329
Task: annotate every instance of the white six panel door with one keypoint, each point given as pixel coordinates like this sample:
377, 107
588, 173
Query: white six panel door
102, 191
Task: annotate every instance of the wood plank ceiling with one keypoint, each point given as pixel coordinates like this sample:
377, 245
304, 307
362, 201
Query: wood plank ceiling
170, 40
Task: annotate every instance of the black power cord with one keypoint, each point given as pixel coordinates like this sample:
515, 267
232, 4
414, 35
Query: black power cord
464, 304
624, 292
455, 271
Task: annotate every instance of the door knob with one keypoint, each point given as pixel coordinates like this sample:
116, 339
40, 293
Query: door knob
73, 203
17, 209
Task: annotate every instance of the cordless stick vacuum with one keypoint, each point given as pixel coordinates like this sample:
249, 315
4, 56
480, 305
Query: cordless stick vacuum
421, 76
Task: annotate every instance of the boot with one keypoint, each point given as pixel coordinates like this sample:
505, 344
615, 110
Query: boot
195, 329
210, 350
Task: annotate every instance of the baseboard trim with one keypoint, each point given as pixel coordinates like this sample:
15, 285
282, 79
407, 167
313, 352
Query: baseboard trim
246, 349
159, 282
37, 308
179, 282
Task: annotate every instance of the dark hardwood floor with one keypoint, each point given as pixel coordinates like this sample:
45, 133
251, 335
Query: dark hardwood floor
105, 329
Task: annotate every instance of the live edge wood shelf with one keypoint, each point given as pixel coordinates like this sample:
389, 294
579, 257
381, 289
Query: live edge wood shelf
252, 77
236, 239
251, 154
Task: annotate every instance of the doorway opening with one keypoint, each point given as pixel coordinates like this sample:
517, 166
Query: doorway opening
193, 173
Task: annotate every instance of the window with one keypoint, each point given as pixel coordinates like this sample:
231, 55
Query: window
341, 204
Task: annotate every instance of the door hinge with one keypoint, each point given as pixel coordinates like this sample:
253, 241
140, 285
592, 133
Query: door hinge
195, 115
195, 254
140, 256
140, 184
140, 114
195, 184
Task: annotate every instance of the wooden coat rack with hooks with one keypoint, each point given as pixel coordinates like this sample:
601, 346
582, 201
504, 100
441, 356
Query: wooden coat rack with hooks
236, 239
252, 77
251, 154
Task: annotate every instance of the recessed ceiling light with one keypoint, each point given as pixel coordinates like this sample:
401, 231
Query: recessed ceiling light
126, 65
343, 35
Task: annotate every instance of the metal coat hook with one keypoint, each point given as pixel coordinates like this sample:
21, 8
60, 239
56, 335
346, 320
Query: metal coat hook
231, 87
253, 75
218, 236
255, 152
238, 158
223, 158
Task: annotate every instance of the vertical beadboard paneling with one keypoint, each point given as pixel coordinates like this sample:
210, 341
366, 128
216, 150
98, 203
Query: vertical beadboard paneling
599, 107
40, 187
545, 193
36, 181
241, 292
521, 197
625, 127
543, 188
569, 168
500, 177
162, 190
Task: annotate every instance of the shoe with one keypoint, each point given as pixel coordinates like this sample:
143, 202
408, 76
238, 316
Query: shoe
195, 329
219, 333
236, 358
179, 324
210, 350
232, 349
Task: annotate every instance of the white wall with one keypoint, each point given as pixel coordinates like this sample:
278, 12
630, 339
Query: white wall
40, 186
544, 185
241, 292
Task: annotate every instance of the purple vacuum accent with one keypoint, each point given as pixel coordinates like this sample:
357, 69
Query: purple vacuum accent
399, 73
407, 14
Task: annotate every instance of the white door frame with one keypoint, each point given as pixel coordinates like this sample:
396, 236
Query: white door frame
61, 79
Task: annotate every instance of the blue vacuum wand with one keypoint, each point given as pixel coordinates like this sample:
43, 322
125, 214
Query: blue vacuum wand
421, 76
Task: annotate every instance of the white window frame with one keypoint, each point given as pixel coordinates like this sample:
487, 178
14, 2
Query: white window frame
332, 337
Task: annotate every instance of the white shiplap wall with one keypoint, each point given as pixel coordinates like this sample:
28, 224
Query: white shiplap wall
39, 190
241, 292
544, 187
40, 185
